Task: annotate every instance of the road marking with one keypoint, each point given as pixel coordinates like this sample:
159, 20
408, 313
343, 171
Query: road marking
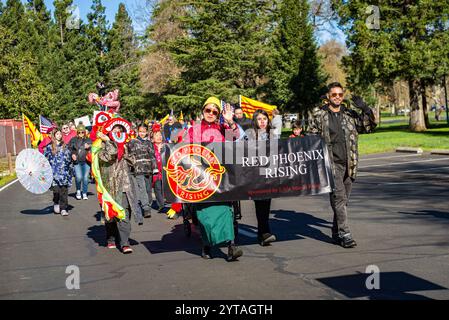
399, 156
436, 168
247, 233
11, 183
392, 164
389, 174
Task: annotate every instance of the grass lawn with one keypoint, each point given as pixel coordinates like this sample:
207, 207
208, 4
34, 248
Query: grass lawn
389, 136
6, 179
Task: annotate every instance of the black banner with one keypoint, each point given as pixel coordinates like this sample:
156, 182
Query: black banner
246, 170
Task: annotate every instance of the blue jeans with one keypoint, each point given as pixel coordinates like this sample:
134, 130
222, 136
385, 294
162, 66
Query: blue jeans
82, 171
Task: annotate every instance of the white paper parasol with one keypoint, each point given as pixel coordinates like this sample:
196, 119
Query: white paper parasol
34, 171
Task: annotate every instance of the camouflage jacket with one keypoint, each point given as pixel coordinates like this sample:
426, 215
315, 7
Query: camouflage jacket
116, 176
353, 124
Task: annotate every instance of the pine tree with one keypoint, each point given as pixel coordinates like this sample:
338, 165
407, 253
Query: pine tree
226, 54
97, 32
296, 79
21, 89
122, 64
73, 71
410, 43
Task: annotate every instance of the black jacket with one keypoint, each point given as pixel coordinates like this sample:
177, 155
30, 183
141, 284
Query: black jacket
76, 146
142, 154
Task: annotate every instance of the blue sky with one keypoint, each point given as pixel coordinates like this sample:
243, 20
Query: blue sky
137, 10
134, 8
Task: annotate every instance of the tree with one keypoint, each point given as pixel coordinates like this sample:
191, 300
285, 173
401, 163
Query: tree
227, 52
73, 71
21, 89
122, 64
296, 80
409, 43
332, 53
97, 33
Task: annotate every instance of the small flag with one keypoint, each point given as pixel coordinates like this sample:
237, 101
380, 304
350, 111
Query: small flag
30, 129
249, 106
46, 125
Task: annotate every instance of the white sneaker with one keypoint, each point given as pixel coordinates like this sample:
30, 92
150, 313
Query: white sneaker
56, 209
78, 194
64, 213
85, 196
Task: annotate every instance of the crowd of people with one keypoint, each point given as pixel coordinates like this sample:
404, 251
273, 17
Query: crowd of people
133, 170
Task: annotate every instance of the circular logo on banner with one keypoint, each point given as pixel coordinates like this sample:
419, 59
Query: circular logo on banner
194, 173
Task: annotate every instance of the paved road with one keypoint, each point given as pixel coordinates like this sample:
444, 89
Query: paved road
398, 213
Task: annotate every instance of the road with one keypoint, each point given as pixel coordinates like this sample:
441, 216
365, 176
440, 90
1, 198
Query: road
398, 214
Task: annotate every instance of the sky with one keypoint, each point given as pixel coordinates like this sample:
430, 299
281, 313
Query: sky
137, 9
134, 8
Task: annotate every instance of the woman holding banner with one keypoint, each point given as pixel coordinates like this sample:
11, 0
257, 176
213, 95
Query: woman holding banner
215, 219
261, 131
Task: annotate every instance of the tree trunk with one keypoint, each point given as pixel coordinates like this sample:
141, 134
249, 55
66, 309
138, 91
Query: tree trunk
417, 122
424, 104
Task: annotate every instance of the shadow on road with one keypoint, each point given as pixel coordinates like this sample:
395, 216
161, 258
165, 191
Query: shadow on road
392, 285
41, 212
290, 225
98, 234
176, 240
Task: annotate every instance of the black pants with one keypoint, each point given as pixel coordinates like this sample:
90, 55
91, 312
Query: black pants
158, 193
263, 215
120, 229
60, 196
339, 199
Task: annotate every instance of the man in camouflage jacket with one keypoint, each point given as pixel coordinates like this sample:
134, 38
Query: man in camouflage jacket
339, 125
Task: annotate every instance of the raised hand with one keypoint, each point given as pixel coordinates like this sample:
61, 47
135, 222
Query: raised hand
228, 114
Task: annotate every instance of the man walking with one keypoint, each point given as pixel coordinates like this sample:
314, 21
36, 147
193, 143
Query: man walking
339, 125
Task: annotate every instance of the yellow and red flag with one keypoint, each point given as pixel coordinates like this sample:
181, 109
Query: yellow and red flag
30, 129
164, 119
249, 106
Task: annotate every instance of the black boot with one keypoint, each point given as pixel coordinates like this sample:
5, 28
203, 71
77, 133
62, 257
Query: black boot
205, 254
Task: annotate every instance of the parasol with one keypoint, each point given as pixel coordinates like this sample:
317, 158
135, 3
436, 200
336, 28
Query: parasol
34, 171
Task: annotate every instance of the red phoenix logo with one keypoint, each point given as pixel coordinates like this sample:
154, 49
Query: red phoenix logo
194, 173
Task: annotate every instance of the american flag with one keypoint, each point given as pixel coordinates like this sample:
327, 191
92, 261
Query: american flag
46, 125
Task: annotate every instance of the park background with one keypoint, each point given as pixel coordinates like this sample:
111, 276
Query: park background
171, 55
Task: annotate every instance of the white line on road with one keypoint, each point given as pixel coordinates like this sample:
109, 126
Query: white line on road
11, 183
395, 163
385, 174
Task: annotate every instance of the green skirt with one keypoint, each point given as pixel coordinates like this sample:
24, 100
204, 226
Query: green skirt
216, 223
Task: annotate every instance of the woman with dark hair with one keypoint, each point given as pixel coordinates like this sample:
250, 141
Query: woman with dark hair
59, 156
262, 131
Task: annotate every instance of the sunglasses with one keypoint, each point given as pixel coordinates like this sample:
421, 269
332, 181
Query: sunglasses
333, 95
214, 112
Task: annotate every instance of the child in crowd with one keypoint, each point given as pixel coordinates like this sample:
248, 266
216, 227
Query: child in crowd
60, 158
158, 143
297, 130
